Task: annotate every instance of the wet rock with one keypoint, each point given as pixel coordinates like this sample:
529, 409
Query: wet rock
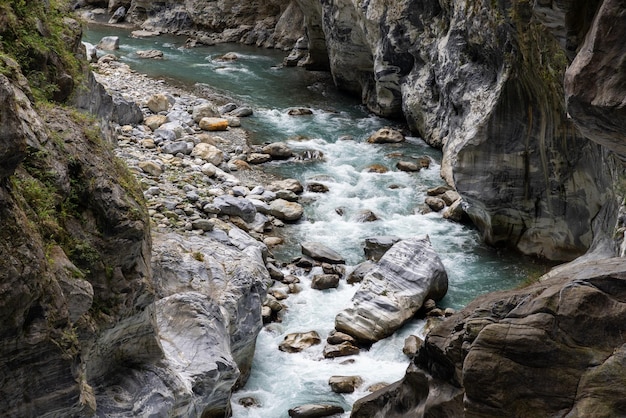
376, 247
376, 168
408, 274
386, 136
241, 112
249, 402
434, 203
338, 269
359, 272
278, 151
315, 411
366, 215
456, 212
412, 344
316, 187
320, 252
229, 56
325, 281
340, 350
335, 337
344, 384
408, 166
299, 111
439, 190
296, 342
450, 197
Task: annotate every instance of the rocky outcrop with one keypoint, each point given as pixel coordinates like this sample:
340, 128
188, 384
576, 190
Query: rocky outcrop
267, 23
594, 82
188, 350
392, 292
555, 348
67, 209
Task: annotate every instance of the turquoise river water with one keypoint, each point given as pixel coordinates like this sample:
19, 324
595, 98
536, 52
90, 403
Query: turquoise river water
280, 381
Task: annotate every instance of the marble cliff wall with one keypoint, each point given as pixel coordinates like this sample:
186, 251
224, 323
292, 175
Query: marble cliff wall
484, 82
97, 316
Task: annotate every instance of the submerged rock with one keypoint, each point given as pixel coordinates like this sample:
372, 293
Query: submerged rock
408, 274
344, 384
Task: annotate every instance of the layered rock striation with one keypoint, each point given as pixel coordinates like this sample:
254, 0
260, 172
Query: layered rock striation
484, 82
390, 294
96, 317
555, 348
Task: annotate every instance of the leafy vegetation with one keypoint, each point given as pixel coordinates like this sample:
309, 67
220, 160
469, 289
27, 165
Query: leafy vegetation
36, 35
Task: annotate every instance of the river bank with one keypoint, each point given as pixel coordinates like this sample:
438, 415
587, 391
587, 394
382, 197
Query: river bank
179, 187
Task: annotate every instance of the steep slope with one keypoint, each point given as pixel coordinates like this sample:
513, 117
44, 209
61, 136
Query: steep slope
94, 319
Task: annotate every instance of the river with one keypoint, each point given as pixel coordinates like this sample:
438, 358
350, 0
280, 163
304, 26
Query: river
280, 381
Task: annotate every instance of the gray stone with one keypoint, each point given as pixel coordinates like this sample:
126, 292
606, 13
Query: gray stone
376, 247
205, 110
202, 224
359, 272
344, 384
285, 210
150, 54
340, 350
315, 411
385, 136
320, 252
296, 342
158, 103
325, 281
241, 112
229, 205
175, 148
109, 43
408, 274
278, 150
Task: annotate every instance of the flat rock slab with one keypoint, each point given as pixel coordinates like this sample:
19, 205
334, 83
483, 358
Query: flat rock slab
320, 252
391, 293
315, 411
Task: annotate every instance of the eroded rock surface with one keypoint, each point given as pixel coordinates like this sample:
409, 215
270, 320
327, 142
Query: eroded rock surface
545, 350
391, 293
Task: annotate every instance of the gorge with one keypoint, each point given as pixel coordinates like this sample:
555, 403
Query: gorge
525, 100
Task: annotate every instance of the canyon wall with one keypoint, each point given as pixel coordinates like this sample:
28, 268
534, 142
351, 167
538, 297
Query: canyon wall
481, 80
554, 348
